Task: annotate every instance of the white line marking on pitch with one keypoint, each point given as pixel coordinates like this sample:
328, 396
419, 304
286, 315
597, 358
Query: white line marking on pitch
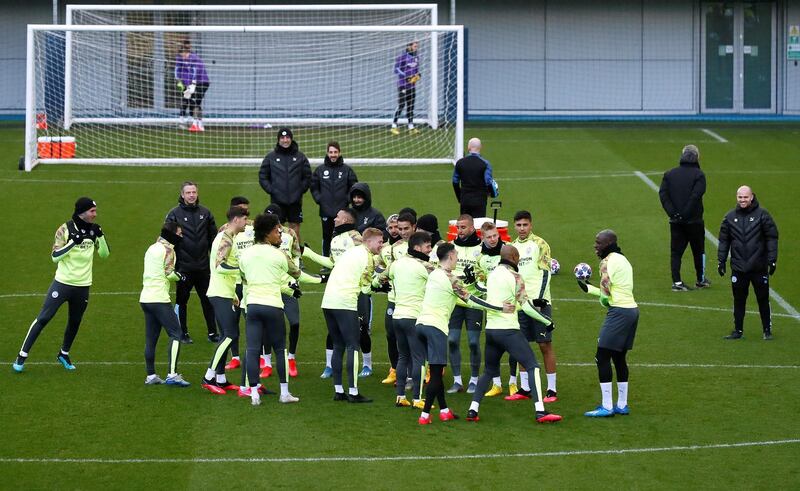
393, 458
577, 300
714, 135
386, 363
713, 239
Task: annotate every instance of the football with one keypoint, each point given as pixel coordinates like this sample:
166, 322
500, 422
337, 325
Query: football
555, 267
583, 271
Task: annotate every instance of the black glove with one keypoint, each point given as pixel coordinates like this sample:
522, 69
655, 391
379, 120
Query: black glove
584, 285
98, 230
772, 267
384, 288
296, 292
539, 302
324, 277
676, 217
181, 276
75, 235
469, 275
721, 269
551, 326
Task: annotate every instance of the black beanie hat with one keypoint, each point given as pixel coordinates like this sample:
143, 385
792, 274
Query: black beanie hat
275, 209
84, 204
285, 132
428, 223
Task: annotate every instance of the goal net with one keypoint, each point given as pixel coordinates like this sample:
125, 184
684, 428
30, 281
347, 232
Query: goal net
414, 14
121, 103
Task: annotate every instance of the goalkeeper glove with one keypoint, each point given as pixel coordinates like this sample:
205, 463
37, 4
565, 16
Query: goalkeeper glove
413, 79
98, 230
187, 94
323, 278
721, 269
181, 87
772, 267
384, 288
584, 285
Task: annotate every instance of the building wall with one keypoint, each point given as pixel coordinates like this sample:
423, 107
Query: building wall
531, 56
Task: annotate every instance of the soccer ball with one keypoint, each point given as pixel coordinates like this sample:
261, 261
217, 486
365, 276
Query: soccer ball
583, 271
554, 266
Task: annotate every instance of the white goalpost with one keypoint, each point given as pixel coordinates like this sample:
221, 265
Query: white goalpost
295, 15
116, 102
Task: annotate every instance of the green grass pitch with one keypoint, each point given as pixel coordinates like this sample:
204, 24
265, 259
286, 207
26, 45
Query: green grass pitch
705, 413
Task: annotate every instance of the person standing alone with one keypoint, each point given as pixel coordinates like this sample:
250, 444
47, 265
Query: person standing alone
751, 236
681, 193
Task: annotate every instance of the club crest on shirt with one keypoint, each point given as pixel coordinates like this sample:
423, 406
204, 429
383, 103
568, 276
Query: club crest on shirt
54, 294
325, 173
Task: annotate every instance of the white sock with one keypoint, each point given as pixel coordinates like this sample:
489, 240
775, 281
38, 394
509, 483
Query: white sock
605, 390
512, 380
338, 389
268, 359
523, 380
328, 357
539, 406
474, 406
457, 380
353, 391
425, 415
411, 126
394, 125
222, 379
473, 380
209, 374
23, 354
367, 359
151, 377
291, 356
170, 375
445, 410
497, 381
622, 394
235, 358
551, 381
64, 352
284, 389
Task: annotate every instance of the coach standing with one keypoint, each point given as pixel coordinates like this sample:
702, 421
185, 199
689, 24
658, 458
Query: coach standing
330, 184
751, 236
199, 231
285, 176
472, 181
681, 193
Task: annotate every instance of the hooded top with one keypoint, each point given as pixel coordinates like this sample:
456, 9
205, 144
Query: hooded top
366, 215
682, 190
330, 186
751, 236
285, 174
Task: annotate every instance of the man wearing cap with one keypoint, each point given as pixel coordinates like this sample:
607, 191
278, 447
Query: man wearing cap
681, 193
472, 181
285, 175
73, 251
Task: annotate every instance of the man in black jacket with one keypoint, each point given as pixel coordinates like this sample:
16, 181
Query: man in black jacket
330, 185
199, 230
751, 236
366, 215
681, 193
472, 181
285, 175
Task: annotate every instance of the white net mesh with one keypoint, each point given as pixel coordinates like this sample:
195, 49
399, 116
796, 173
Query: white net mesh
121, 100
256, 15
